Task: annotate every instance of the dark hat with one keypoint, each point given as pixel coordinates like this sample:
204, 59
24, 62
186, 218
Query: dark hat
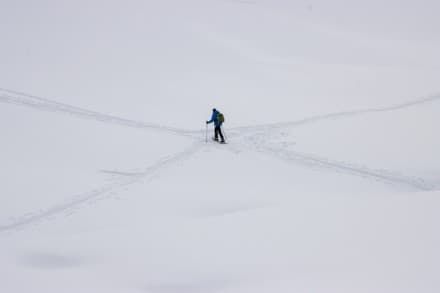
214, 109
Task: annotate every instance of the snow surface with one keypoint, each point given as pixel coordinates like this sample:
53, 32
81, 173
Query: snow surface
330, 181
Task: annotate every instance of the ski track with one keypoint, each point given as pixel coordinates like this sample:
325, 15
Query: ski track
121, 173
330, 116
84, 198
313, 161
22, 99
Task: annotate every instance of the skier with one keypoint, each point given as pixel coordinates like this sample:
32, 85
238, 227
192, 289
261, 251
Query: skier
218, 119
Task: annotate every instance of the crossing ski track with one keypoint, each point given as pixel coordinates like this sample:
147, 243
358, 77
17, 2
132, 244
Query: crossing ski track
127, 178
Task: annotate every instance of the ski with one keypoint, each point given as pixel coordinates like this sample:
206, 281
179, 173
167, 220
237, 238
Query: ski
218, 141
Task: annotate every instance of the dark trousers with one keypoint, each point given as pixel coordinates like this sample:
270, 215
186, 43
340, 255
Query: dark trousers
218, 131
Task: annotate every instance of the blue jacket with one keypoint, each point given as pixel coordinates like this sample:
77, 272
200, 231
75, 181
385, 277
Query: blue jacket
214, 119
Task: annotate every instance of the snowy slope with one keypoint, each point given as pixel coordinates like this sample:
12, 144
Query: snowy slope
329, 183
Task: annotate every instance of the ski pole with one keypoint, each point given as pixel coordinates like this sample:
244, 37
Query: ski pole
206, 133
224, 133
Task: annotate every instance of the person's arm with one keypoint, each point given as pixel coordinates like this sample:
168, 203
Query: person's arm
212, 119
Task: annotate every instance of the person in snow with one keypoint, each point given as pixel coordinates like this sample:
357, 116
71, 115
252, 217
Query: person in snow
217, 124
